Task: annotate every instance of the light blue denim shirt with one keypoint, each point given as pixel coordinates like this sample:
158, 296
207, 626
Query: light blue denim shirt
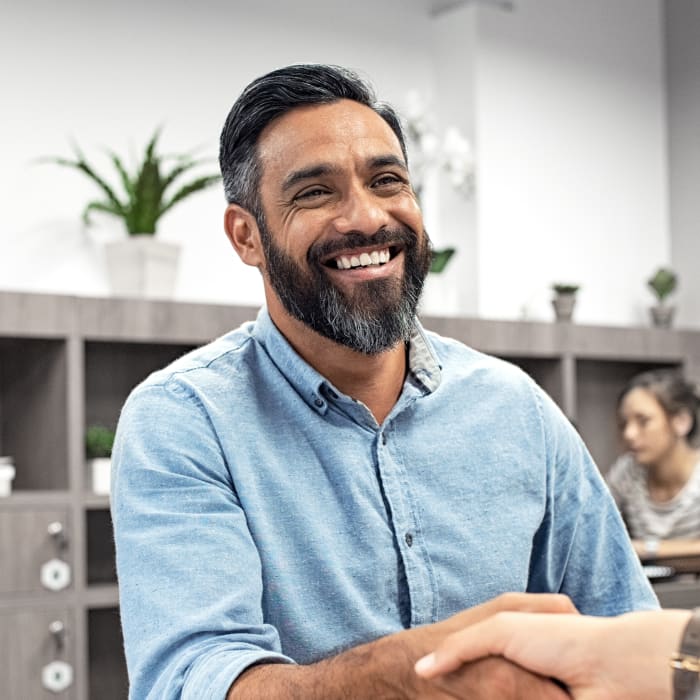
262, 515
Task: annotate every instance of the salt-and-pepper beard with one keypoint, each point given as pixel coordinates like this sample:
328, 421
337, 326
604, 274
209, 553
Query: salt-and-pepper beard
377, 315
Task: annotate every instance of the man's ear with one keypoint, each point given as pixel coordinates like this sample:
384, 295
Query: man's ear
243, 233
682, 422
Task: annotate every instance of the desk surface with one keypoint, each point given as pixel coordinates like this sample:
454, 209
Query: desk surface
681, 555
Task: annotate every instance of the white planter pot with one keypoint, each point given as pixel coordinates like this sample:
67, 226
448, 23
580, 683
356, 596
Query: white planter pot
7, 474
100, 470
564, 304
662, 315
142, 266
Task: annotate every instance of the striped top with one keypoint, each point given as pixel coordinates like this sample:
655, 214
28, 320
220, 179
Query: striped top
678, 518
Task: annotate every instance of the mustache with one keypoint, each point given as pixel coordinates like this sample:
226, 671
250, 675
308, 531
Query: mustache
398, 236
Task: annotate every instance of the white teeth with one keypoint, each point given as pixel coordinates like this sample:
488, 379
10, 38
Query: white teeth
376, 257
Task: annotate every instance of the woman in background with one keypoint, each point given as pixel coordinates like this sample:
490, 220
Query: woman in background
656, 483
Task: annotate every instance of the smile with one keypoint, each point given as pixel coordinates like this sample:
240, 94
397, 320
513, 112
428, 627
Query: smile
366, 259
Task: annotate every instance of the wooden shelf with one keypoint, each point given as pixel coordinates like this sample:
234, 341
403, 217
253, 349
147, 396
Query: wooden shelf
67, 362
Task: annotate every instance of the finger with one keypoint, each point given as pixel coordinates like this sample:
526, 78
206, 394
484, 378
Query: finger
495, 677
538, 602
507, 634
469, 644
527, 602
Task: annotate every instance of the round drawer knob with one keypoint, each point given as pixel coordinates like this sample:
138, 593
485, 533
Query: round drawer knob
55, 575
57, 676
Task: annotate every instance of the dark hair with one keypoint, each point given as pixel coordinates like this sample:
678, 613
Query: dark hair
273, 95
674, 393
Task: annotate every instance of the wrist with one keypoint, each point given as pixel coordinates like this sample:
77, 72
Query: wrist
686, 661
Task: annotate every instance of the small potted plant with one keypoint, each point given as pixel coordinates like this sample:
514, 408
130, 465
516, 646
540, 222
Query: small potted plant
98, 451
662, 284
564, 300
141, 265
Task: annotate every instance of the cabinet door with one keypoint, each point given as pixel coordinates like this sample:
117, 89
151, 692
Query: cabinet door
28, 540
30, 640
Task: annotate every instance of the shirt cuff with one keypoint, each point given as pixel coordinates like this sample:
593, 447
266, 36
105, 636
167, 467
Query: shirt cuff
213, 676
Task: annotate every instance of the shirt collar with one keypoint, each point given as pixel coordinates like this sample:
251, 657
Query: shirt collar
313, 387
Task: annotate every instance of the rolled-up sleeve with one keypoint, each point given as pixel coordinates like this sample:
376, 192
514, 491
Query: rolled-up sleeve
189, 572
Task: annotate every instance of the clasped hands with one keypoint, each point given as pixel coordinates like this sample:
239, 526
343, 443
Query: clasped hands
487, 675
595, 658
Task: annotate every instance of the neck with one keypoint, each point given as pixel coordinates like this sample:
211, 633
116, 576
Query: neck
670, 474
375, 380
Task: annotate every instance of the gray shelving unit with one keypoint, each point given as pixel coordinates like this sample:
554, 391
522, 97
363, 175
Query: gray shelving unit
67, 362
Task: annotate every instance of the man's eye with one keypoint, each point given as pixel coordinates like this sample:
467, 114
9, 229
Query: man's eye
388, 180
311, 193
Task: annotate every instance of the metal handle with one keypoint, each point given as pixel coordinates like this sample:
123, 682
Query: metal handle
57, 630
57, 533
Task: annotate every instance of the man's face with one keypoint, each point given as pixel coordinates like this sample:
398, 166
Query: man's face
345, 250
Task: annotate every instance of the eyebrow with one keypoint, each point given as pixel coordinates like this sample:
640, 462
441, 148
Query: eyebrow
323, 169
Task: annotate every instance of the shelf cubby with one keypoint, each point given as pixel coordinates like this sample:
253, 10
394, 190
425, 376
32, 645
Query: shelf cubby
33, 409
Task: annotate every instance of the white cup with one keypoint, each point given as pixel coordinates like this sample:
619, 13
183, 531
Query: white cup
7, 474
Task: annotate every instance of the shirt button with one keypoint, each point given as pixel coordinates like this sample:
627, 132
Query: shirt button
383, 438
409, 539
319, 402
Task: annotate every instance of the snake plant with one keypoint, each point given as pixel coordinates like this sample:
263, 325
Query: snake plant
147, 191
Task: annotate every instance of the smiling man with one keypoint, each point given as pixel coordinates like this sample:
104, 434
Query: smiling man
307, 505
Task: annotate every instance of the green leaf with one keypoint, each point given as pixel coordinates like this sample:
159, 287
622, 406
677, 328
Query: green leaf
663, 282
440, 259
125, 177
106, 207
99, 441
194, 186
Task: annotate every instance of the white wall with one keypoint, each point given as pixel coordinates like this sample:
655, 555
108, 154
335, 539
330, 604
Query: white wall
570, 128
106, 74
564, 98
683, 75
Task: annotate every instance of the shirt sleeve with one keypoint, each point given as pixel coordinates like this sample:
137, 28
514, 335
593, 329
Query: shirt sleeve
582, 547
190, 576
615, 481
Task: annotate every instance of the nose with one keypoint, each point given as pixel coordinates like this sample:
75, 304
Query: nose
628, 432
361, 210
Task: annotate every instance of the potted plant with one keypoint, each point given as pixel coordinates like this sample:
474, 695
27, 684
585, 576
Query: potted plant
662, 283
564, 300
98, 451
141, 265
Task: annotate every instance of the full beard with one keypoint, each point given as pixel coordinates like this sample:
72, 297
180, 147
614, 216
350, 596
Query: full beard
376, 315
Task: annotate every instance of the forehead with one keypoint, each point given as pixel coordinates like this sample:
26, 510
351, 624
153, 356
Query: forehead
641, 400
336, 131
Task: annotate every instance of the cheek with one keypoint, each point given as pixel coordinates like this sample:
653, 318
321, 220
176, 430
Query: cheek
660, 437
297, 236
410, 213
